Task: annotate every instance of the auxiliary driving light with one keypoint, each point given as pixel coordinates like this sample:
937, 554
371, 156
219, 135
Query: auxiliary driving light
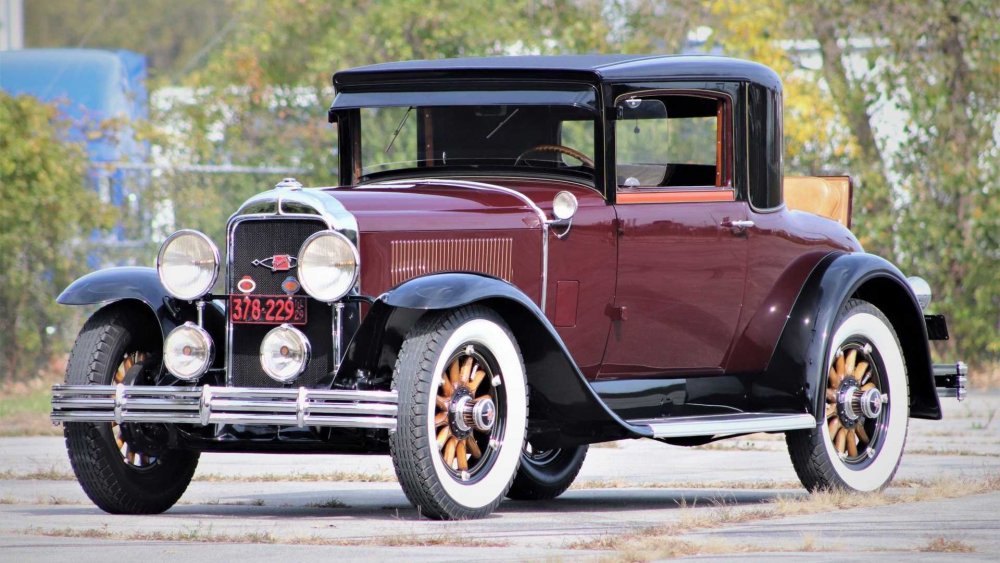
284, 353
188, 352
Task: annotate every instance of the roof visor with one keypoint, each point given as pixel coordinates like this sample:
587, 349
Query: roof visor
582, 98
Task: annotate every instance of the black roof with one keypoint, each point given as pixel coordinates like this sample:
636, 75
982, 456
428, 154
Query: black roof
591, 68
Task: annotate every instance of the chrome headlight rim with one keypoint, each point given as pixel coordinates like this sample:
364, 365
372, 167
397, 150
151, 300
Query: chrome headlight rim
303, 341
302, 265
216, 257
207, 342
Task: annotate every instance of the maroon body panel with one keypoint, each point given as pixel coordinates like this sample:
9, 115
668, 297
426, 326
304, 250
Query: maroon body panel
785, 246
680, 279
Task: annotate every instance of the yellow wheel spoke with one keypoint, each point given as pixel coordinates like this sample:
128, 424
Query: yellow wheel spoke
463, 460
473, 447
443, 436
852, 443
449, 451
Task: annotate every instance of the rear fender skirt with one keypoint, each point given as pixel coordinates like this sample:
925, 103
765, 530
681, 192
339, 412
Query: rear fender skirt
793, 379
565, 410
141, 287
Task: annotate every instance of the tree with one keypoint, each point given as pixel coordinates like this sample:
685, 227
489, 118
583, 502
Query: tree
47, 214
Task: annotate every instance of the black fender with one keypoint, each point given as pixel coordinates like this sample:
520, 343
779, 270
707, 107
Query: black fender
141, 287
565, 410
793, 379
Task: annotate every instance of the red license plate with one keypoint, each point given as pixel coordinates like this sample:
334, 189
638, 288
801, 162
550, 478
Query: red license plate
267, 309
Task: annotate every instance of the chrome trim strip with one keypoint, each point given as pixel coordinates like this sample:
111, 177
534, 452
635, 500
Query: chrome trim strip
952, 380
542, 219
726, 424
220, 405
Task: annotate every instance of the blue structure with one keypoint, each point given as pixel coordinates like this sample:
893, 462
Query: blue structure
90, 86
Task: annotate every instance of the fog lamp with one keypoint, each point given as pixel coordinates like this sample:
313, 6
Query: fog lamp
188, 352
284, 353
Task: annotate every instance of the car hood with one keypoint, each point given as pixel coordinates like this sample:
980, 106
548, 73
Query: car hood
439, 204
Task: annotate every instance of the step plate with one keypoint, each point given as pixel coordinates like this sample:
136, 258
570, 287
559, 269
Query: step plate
725, 424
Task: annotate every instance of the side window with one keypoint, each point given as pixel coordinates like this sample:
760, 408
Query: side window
577, 134
672, 142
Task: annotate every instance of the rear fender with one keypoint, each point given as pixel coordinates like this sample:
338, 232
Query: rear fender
793, 379
565, 410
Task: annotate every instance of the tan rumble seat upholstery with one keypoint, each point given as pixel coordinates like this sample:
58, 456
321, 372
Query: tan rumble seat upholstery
827, 196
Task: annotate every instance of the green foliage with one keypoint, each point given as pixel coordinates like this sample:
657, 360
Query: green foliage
260, 71
47, 215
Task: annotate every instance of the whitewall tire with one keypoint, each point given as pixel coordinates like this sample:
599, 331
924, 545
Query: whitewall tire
463, 412
859, 441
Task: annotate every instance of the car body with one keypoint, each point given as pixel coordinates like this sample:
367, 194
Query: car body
527, 255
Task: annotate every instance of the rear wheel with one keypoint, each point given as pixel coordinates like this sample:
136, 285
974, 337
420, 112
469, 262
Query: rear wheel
127, 468
546, 474
859, 443
462, 413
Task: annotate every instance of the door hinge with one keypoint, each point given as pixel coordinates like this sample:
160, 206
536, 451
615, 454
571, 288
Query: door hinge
619, 226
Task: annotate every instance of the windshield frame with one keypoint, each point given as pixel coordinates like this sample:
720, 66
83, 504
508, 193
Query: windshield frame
346, 112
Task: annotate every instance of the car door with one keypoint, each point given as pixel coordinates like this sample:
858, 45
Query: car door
682, 247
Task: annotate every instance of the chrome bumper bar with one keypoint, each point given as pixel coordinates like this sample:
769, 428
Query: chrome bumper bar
952, 380
224, 405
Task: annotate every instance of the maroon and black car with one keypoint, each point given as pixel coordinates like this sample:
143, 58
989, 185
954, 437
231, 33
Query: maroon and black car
527, 255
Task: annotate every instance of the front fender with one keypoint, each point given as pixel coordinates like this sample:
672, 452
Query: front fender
794, 376
141, 285
565, 410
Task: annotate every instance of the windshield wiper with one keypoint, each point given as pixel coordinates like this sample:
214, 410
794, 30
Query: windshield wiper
504, 122
398, 129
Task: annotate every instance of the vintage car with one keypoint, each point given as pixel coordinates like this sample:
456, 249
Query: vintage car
527, 255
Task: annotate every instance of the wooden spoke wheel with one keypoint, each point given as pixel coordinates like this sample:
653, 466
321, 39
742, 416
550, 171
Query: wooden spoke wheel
124, 468
463, 411
858, 441
130, 453
855, 403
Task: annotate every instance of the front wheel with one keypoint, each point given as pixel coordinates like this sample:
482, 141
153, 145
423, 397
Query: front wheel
123, 468
859, 443
463, 410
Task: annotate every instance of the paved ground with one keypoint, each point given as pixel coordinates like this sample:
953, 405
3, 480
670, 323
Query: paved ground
625, 489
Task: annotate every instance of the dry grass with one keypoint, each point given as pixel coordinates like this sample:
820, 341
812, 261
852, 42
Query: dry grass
944, 545
745, 485
342, 476
51, 474
662, 541
960, 453
199, 535
331, 503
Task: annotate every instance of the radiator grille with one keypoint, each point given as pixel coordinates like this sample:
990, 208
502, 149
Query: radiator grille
413, 258
256, 240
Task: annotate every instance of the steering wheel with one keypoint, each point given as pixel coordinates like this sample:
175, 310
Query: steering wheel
586, 160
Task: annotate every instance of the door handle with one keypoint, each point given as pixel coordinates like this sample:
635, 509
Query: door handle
738, 226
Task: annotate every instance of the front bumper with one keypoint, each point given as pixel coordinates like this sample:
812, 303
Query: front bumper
224, 405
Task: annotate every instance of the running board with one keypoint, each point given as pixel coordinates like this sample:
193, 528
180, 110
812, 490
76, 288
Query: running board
725, 424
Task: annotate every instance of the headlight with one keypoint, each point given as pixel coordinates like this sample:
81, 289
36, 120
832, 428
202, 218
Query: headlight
188, 352
188, 264
328, 266
284, 353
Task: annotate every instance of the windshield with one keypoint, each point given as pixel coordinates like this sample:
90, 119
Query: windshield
551, 138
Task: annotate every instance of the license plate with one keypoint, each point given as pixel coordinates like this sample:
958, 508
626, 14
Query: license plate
267, 309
